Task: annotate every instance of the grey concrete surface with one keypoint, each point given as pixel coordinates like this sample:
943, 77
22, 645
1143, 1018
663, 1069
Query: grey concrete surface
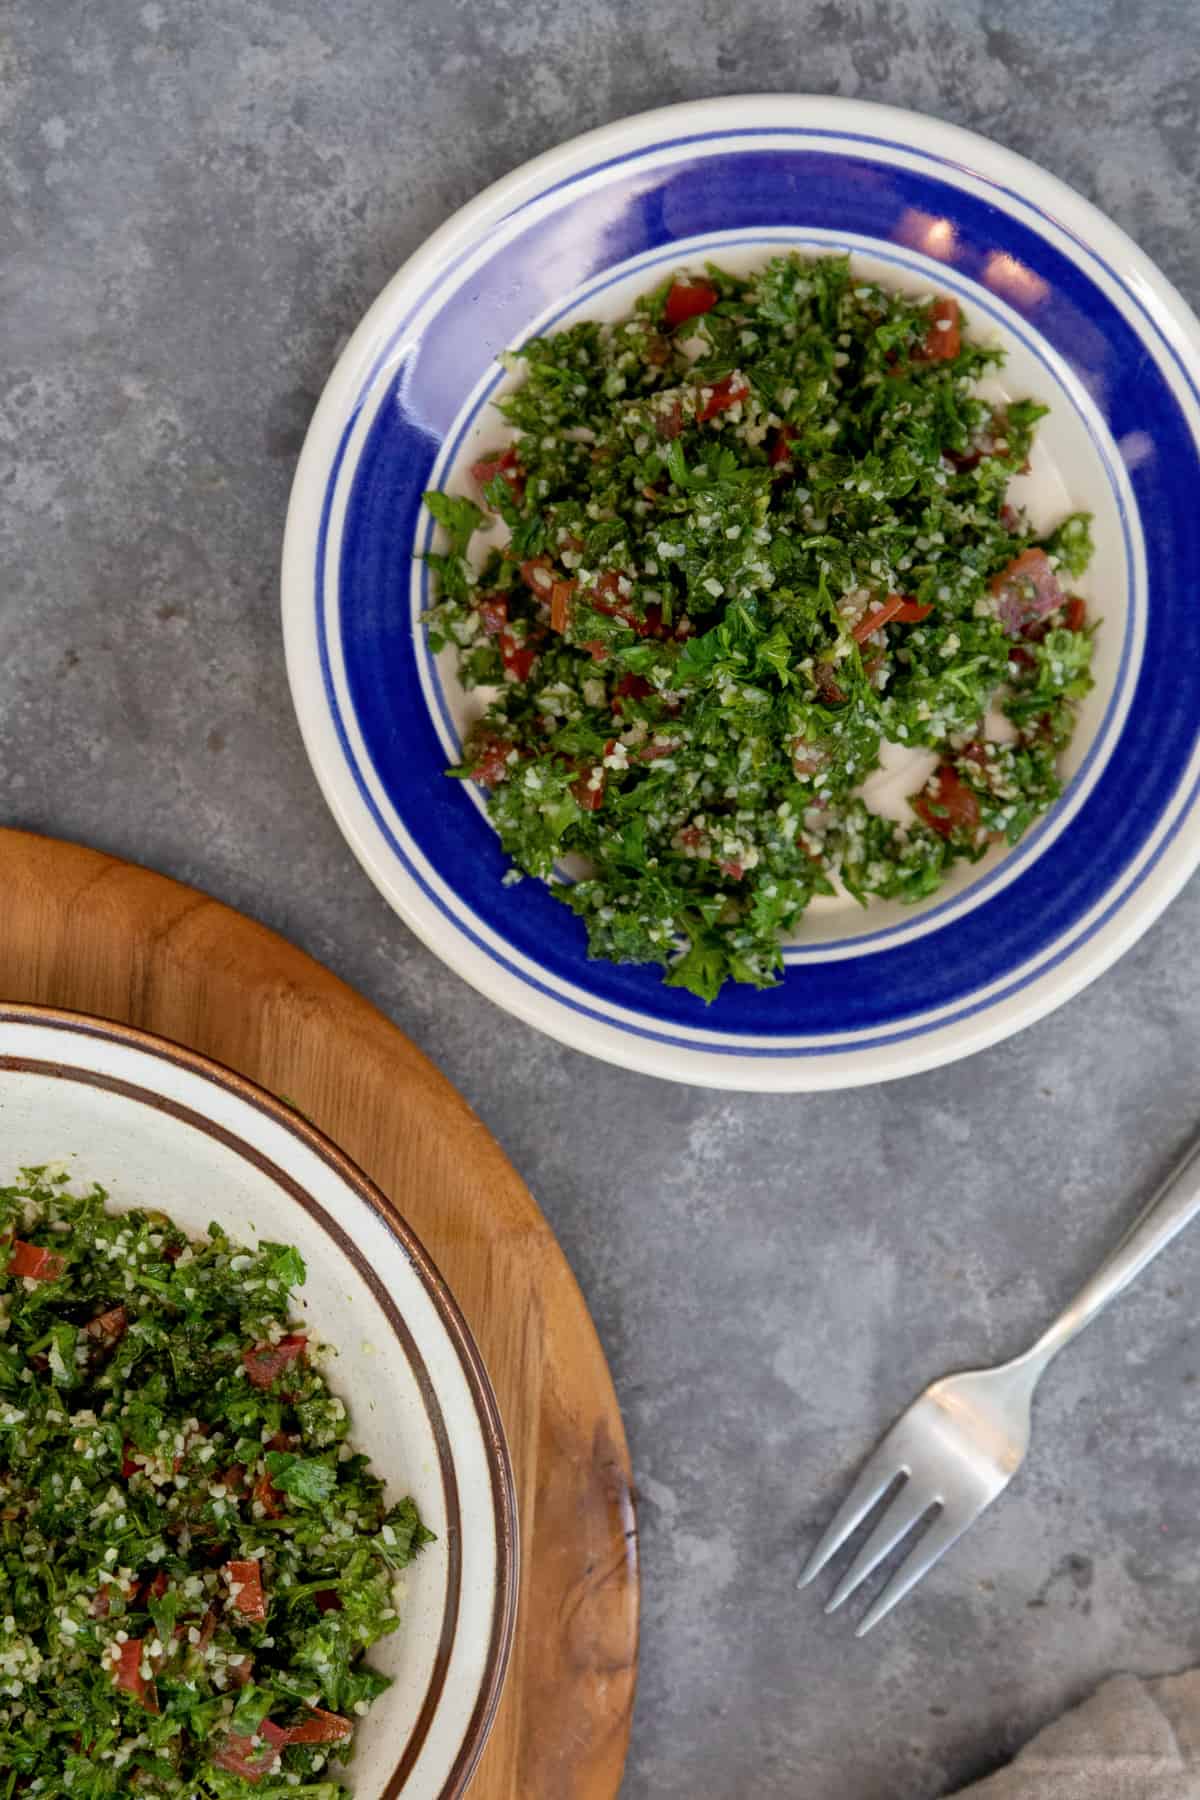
200, 198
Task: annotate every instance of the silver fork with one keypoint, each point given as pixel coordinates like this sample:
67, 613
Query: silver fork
963, 1440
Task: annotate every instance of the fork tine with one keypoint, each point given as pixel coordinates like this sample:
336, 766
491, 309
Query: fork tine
946, 1530
877, 1475
910, 1505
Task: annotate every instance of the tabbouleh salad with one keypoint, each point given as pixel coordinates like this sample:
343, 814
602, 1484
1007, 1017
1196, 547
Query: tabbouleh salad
751, 534
193, 1560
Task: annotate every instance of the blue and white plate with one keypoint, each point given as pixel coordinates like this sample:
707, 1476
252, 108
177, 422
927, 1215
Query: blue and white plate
1090, 326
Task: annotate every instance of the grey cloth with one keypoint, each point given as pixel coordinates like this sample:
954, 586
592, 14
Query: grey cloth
1133, 1740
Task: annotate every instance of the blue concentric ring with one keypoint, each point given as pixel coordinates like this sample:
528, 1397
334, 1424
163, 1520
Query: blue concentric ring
1046, 911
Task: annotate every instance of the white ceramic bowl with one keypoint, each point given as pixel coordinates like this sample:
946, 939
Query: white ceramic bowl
1090, 326
160, 1127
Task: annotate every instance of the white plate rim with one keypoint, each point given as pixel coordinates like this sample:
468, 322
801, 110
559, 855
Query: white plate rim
1167, 862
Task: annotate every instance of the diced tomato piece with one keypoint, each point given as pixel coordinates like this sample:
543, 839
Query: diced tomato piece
630, 687
157, 1586
734, 870
606, 597
537, 572
896, 610
560, 598
501, 462
655, 752
687, 300
242, 1671
943, 339
1010, 518
597, 649
518, 658
491, 754
127, 1674
910, 612
265, 1363
238, 1756
692, 837
128, 1466
493, 611
320, 1727
721, 395
268, 1496
668, 419
1026, 591
947, 804
246, 1589
828, 691
108, 1328
590, 797
781, 446
1075, 614
33, 1263
328, 1601
241, 1756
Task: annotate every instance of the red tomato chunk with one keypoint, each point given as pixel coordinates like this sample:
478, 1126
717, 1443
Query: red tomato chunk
33, 1263
943, 340
246, 1589
687, 300
947, 804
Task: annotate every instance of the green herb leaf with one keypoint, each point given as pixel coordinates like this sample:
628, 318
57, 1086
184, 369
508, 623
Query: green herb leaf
307, 1480
459, 517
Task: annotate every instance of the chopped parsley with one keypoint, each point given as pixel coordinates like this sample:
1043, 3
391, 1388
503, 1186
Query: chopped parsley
751, 535
193, 1561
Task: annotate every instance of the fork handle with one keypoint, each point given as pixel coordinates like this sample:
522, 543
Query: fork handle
1175, 1205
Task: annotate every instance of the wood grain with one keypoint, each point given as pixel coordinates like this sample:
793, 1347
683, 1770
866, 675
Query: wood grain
81, 930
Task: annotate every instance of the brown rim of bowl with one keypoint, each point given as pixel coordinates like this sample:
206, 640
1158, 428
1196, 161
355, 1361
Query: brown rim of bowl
486, 1407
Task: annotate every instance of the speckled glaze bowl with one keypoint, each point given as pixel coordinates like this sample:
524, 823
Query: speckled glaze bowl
1090, 326
158, 1126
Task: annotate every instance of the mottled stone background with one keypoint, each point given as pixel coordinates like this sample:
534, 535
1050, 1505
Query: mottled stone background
200, 198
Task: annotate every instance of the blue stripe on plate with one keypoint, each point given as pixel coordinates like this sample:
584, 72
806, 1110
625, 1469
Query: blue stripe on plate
490, 309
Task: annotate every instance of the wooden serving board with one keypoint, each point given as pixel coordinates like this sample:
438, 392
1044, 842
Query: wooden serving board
80, 930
